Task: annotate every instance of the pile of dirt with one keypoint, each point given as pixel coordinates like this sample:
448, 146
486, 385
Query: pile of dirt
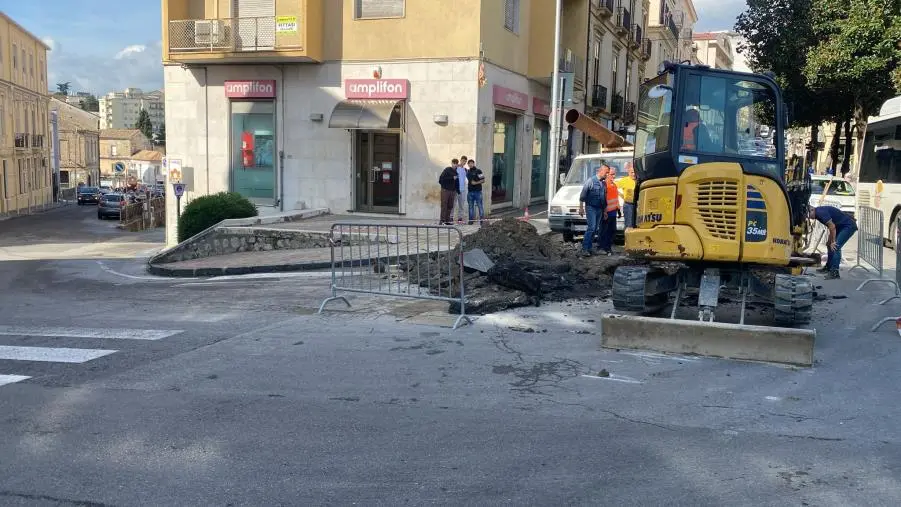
528, 268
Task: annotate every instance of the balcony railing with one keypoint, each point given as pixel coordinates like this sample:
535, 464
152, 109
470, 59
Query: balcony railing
21, 141
617, 105
231, 35
646, 49
570, 62
606, 7
636, 36
629, 112
623, 20
599, 96
37, 140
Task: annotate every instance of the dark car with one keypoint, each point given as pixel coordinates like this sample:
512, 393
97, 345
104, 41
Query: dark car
88, 195
110, 206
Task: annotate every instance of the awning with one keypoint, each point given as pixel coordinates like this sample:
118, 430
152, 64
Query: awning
367, 114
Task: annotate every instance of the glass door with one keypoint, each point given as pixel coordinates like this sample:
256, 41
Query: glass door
253, 151
540, 151
377, 171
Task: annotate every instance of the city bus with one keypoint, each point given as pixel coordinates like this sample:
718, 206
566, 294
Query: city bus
879, 178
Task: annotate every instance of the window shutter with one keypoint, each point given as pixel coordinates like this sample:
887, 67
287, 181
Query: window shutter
511, 15
379, 8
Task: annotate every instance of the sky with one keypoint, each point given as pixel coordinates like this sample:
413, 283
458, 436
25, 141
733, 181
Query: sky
105, 45
97, 45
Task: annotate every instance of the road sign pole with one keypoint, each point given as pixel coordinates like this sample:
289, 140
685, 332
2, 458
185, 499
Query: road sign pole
177, 207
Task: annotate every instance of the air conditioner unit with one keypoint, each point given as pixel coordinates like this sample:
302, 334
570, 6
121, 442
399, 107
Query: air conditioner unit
207, 32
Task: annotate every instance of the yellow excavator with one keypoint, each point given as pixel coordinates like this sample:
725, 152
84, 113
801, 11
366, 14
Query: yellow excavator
715, 209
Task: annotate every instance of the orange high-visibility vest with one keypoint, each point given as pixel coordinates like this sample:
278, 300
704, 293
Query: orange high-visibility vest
612, 196
689, 141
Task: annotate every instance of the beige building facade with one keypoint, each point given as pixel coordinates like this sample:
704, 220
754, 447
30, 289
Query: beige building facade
117, 146
120, 110
715, 49
670, 27
26, 181
78, 145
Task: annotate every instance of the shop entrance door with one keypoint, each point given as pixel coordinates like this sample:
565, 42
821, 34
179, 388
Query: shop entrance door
377, 172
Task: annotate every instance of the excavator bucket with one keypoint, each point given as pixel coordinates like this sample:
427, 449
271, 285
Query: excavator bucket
713, 339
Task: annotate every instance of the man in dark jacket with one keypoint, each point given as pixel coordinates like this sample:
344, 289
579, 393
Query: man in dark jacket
593, 200
841, 228
449, 190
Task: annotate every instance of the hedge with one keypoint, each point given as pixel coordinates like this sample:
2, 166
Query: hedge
208, 210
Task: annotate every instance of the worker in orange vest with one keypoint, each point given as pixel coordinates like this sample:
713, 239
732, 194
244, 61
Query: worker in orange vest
608, 227
695, 136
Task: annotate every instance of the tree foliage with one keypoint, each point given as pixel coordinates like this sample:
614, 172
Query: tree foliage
208, 210
144, 124
90, 103
161, 135
63, 88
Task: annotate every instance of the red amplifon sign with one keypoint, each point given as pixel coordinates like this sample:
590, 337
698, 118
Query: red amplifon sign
510, 98
541, 107
253, 89
396, 89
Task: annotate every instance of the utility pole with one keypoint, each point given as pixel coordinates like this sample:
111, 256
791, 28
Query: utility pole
556, 110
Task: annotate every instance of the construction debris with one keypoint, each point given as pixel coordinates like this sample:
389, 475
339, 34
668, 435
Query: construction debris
527, 268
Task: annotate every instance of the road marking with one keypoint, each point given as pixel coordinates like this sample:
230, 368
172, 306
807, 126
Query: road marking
616, 378
77, 332
263, 276
51, 355
112, 271
12, 379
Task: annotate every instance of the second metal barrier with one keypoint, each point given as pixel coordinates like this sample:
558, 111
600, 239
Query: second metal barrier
897, 280
408, 261
869, 245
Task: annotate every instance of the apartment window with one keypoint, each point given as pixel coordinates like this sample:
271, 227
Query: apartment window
596, 62
22, 183
31, 64
615, 81
511, 15
113, 151
15, 58
374, 9
41, 69
1, 54
5, 180
24, 70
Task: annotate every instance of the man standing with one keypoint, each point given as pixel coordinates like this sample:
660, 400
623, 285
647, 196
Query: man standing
449, 190
461, 195
841, 228
474, 193
627, 185
593, 202
608, 230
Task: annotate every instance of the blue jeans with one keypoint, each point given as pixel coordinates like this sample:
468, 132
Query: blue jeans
834, 258
608, 230
474, 198
628, 214
593, 216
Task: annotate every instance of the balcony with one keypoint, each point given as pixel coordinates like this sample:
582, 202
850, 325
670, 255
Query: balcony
294, 35
617, 105
570, 62
605, 7
21, 141
646, 49
629, 113
37, 140
635, 39
623, 20
599, 96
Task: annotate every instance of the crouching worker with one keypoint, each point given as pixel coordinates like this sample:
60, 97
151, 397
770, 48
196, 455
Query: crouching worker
841, 228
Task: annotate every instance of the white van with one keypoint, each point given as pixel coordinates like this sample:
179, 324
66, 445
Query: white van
840, 195
563, 214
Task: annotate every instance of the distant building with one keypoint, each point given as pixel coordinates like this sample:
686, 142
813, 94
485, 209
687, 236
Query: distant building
715, 49
120, 110
147, 165
117, 146
26, 180
78, 145
670, 27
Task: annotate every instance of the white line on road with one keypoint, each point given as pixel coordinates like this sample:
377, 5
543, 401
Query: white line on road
78, 332
12, 379
51, 355
252, 276
111, 271
616, 378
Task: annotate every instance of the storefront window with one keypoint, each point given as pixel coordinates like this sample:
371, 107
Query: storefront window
504, 160
253, 151
540, 150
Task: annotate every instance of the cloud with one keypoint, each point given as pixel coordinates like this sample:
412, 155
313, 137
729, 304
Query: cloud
130, 50
717, 14
135, 65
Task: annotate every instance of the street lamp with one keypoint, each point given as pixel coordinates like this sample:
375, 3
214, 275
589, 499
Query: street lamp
555, 110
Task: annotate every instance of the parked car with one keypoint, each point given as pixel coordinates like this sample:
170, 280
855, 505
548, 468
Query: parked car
105, 189
88, 195
841, 193
110, 206
563, 214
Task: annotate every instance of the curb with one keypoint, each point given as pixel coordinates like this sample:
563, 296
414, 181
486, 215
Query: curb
162, 270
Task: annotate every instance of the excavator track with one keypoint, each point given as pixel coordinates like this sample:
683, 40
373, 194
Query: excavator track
792, 300
634, 289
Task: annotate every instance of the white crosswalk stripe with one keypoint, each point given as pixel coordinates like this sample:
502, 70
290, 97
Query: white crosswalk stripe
49, 354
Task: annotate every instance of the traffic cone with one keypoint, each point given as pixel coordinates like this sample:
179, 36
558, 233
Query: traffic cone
898, 325
525, 216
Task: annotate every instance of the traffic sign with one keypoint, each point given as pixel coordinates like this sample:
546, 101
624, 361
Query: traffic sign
174, 165
119, 167
179, 189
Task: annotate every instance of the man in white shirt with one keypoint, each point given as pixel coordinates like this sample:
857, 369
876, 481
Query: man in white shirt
462, 208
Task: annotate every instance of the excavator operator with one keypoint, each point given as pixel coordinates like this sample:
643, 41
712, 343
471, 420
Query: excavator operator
695, 136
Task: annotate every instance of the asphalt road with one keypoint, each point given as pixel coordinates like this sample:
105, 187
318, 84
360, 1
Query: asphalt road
231, 391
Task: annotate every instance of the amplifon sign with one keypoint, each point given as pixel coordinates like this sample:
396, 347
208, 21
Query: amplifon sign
254, 89
510, 98
541, 107
396, 89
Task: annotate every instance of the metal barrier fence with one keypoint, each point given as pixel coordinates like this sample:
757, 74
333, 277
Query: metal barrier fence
67, 195
408, 261
869, 245
897, 280
145, 214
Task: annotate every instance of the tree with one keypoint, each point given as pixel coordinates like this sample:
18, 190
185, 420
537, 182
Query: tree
161, 135
144, 124
90, 103
63, 88
857, 53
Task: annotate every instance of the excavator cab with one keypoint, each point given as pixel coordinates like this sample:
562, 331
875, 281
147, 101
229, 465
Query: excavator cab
715, 207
